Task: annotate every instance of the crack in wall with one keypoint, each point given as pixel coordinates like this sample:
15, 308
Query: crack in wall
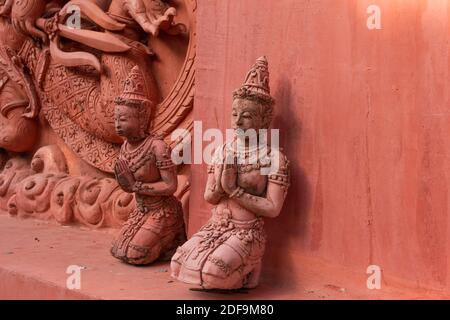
368, 180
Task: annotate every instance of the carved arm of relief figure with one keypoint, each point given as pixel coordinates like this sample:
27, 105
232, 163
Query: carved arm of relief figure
153, 15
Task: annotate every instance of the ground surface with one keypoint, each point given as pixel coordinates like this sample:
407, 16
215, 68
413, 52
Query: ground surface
34, 257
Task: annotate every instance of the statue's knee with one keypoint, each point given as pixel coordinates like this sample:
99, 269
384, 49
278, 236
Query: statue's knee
231, 281
217, 267
175, 267
140, 255
210, 281
223, 270
146, 238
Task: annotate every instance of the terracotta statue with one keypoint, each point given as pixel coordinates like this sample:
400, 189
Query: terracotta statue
226, 253
145, 168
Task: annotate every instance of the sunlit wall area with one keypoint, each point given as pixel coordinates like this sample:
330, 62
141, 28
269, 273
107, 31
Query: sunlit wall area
362, 90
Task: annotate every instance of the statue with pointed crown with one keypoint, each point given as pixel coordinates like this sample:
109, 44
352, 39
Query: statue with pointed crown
144, 167
245, 186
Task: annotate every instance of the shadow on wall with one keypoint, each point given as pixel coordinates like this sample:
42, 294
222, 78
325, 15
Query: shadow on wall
291, 225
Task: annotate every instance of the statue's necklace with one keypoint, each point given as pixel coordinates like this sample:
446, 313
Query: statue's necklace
254, 158
133, 152
139, 156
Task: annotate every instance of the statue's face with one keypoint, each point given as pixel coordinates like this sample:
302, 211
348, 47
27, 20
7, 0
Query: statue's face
246, 114
126, 121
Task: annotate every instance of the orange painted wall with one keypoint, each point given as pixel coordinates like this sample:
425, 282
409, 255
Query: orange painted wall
364, 119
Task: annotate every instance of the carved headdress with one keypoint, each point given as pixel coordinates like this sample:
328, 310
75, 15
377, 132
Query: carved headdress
256, 88
135, 95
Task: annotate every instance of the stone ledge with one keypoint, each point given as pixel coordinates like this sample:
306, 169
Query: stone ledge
34, 256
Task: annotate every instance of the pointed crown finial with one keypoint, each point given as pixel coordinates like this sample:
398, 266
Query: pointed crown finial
134, 91
257, 78
256, 85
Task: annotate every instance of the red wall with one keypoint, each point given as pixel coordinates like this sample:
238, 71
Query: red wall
364, 119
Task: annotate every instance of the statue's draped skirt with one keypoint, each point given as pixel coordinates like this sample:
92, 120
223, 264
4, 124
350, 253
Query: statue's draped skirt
247, 238
164, 219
